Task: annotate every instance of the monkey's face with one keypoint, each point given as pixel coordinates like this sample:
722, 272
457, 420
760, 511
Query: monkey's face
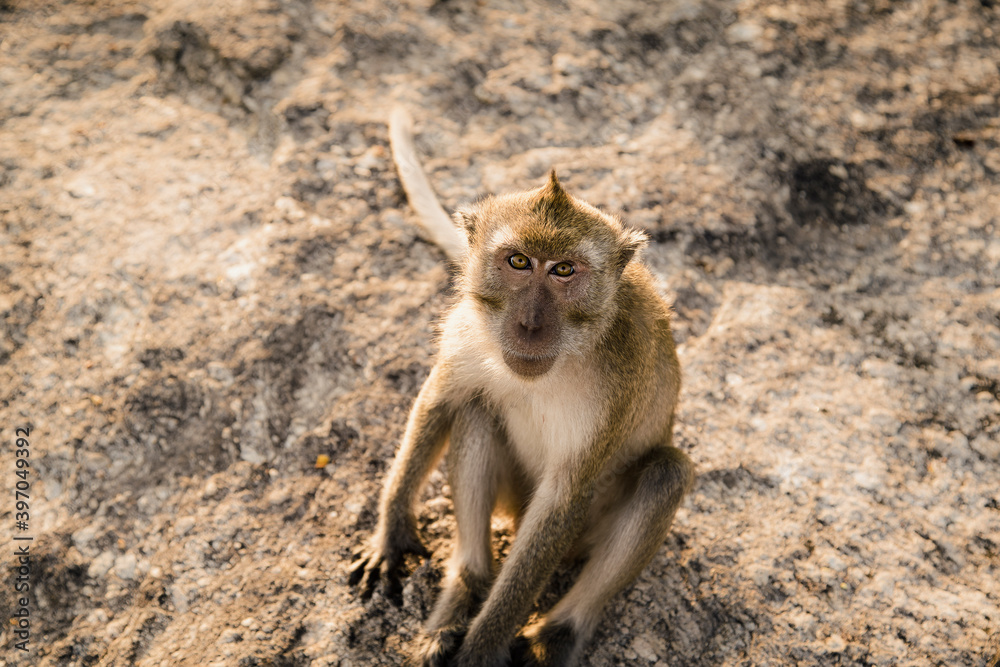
540, 291
538, 304
544, 269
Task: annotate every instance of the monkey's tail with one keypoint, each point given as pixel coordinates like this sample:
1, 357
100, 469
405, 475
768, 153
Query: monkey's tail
418, 190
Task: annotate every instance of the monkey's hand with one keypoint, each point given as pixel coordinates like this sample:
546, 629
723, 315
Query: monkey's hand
438, 648
384, 558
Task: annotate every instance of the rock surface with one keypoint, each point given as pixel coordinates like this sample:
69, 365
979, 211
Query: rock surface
209, 277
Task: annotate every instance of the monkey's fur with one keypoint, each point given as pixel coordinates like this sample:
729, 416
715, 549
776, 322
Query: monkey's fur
554, 395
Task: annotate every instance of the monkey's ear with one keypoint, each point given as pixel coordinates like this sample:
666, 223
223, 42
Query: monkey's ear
466, 221
630, 242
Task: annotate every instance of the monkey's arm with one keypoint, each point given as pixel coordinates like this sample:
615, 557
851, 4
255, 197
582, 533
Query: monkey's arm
396, 533
553, 520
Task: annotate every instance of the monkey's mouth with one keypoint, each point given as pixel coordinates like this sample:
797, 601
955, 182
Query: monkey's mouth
527, 365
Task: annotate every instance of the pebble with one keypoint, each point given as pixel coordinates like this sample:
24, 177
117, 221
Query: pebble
643, 647
230, 635
125, 566
835, 644
101, 565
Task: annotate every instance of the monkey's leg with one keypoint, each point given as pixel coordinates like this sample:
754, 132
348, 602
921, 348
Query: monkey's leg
625, 539
553, 518
474, 471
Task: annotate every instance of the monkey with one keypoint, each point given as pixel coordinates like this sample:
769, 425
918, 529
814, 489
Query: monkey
552, 399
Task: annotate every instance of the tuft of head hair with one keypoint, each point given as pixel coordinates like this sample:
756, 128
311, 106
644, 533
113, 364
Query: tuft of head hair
567, 221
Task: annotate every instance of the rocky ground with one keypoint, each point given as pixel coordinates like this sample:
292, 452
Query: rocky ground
210, 277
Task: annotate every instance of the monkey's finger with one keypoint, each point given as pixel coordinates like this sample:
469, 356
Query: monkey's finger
371, 579
366, 572
392, 574
357, 570
394, 590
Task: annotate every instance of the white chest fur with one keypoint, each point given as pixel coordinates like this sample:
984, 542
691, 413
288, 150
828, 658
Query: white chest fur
550, 419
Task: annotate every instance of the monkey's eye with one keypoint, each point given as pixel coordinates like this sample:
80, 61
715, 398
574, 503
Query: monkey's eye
563, 269
519, 262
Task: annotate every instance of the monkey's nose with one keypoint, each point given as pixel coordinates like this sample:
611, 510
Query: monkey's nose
531, 322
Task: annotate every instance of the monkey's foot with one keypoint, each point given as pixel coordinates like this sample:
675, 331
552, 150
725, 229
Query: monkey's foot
438, 648
547, 646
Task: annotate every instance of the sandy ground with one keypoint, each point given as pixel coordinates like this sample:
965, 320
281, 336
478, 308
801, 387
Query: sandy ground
209, 276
